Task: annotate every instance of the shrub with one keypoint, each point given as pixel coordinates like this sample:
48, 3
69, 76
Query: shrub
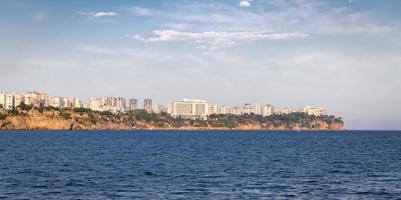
66, 116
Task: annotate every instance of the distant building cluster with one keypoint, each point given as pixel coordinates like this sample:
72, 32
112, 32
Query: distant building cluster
186, 108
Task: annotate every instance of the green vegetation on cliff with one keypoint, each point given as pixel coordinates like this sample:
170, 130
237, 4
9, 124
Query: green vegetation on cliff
24, 117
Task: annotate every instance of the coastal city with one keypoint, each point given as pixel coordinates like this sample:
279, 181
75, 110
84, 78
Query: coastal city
186, 108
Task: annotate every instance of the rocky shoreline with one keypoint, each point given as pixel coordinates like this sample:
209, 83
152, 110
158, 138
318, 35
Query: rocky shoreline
55, 119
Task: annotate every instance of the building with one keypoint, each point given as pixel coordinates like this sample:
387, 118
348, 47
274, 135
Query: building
248, 109
268, 110
18, 99
224, 110
286, 111
2, 99
212, 109
236, 111
170, 108
147, 105
76, 103
190, 109
36, 98
113, 104
319, 111
60, 102
119, 104
9, 102
258, 109
159, 108
133, 104
95, 103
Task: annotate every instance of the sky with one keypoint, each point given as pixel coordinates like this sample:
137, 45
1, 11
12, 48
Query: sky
341, 54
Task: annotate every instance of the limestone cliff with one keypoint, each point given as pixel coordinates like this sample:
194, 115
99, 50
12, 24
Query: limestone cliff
54, 119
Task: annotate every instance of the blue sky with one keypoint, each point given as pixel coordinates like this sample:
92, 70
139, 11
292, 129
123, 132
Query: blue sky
342, 54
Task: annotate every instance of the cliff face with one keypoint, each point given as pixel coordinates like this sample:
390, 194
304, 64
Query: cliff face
69, 120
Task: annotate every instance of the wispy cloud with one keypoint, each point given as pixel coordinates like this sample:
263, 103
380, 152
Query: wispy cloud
141, 11
313, 17
99, 14
215, 40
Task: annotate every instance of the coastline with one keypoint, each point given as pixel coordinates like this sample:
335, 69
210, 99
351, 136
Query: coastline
56, 119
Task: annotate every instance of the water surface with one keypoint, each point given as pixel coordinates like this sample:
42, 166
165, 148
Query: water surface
199, 165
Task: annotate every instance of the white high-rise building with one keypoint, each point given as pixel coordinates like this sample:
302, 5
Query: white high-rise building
76, 103
258, 109
113, 104
9, 101
248, 109
133, 104
147, 105
3, 99
18, 99
191, 109
95, 103
268, 110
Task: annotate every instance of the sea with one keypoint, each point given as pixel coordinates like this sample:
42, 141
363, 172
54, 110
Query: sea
200, 165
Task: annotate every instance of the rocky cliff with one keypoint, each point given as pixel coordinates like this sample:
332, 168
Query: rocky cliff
54, 119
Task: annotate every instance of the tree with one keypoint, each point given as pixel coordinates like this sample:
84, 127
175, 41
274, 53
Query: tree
41, 107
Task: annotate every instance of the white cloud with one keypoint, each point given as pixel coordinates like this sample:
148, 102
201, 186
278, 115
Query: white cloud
245, 4
105, 14
98, 14
212, 41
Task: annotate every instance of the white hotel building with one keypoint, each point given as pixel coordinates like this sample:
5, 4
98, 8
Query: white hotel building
190, 109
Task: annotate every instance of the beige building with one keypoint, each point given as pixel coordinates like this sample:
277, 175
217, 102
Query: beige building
3, 99
212, 109
268, 110
76, 103
248, 109
224, 110
60, 102
190, 109
36, 98
236, 111
258, 109
319, 111
286, 110
95, 103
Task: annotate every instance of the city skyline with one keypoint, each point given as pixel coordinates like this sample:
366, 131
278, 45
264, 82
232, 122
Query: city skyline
12, 99
343, 54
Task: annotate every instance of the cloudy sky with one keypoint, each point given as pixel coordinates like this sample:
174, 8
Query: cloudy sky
342, 54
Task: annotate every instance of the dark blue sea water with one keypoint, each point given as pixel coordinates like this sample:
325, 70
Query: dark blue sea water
199, 165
